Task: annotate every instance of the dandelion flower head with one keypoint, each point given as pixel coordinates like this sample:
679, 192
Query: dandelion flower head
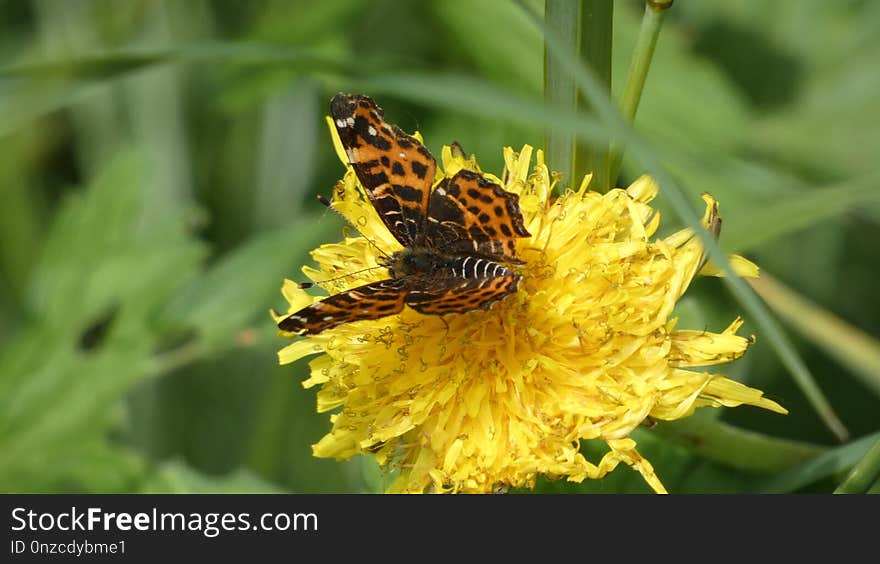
586, 349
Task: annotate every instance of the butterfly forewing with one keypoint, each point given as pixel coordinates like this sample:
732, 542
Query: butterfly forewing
396, 171
370, 301
470, 214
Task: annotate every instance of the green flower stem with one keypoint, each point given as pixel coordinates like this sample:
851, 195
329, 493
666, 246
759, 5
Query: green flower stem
863, 474
585, 30
559, 88
638, 73
596, 31
735, 447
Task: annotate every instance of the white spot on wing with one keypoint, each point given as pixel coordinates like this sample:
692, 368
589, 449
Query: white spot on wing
327, 318
350, 121
372, 131
340, 123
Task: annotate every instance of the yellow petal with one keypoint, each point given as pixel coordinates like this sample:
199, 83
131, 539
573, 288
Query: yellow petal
626, 451
741, 266
701, 348
297, 350
644, 189
295, 296
337, 142
730, 393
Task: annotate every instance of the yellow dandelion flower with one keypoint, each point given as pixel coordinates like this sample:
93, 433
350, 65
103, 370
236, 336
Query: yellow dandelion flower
586, 349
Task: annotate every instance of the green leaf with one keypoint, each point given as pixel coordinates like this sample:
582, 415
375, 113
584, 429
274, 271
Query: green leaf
241, 287
88, 465
175, 476
103, 271
103, 250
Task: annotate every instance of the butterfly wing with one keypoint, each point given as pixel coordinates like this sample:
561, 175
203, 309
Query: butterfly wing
396, 170
439, 296
470, 214
370, 301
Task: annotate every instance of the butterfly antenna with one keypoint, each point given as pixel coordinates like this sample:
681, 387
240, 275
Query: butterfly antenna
329, 204
305, 285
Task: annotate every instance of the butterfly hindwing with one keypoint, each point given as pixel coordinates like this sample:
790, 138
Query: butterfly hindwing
470, 214
370, 301
440, 296
396, 171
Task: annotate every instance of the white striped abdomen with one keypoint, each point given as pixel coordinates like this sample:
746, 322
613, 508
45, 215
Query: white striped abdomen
472, 267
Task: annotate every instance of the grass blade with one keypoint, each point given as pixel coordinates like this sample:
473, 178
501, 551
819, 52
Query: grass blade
865, 473
838, 459
851, 347
790, 214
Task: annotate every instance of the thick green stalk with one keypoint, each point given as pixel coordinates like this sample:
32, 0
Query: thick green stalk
596, 31
638, 73
739, 448
585, 29
559, 88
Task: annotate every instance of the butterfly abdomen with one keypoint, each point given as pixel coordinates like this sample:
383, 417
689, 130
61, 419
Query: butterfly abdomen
430, 263
472, 267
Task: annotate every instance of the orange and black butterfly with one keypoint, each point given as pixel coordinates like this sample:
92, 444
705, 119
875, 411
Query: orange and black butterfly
456, 237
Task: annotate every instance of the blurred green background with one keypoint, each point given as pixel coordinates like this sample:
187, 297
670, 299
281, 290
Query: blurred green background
159, 161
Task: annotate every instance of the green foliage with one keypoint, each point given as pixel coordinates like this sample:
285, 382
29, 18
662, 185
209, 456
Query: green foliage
158, 171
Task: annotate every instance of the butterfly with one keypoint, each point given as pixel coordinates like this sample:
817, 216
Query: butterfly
457, 238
